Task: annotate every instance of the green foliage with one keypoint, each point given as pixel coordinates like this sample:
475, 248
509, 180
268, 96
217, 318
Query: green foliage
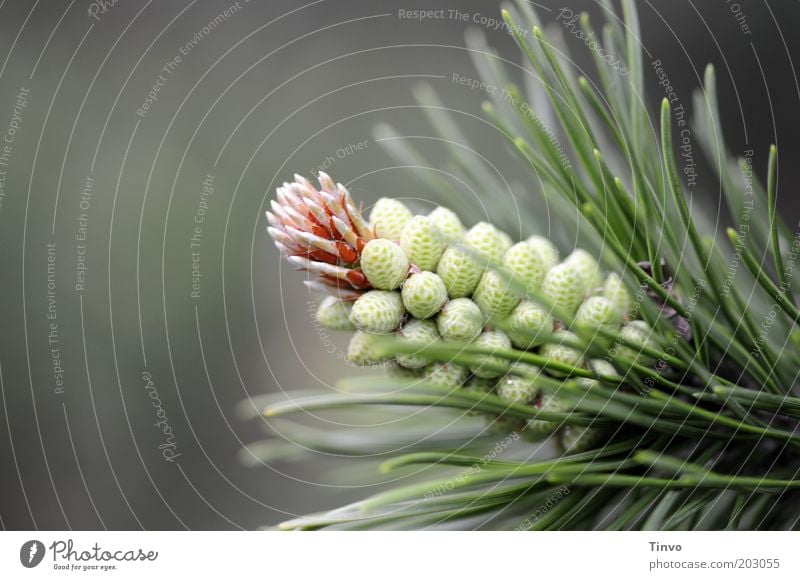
690, 419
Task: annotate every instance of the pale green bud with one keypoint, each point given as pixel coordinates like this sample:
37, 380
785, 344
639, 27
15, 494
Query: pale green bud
587, 267
546, 250
400, 372
448, 224
516, 390
639, 332
384, 264
378, 312
487, 242
493, 339
527, 264
505, 241
421, 333
578, 438
449, 375
538, 429
601, 367
494, 297
361, 350
528, 325
459, 271
523, 369
460, 320
597, 311
388, 217
565, 286
615, 291
424, 294
334, 313
561, 352
518, 386
422, 242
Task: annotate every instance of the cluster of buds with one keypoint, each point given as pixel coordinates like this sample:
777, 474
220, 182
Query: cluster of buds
426, 278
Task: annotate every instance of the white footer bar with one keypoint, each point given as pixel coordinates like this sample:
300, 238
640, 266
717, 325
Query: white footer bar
381, 555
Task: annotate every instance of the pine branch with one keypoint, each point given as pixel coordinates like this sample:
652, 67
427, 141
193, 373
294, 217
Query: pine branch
672, 411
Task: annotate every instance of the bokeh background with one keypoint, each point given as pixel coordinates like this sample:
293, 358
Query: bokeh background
98, 313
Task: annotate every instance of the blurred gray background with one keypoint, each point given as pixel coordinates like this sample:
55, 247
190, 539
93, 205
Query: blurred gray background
99, 319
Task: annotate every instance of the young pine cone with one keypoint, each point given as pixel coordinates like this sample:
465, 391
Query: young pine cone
427, 278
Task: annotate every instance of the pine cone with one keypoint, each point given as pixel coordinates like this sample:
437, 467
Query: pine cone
427, 279
321, 232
